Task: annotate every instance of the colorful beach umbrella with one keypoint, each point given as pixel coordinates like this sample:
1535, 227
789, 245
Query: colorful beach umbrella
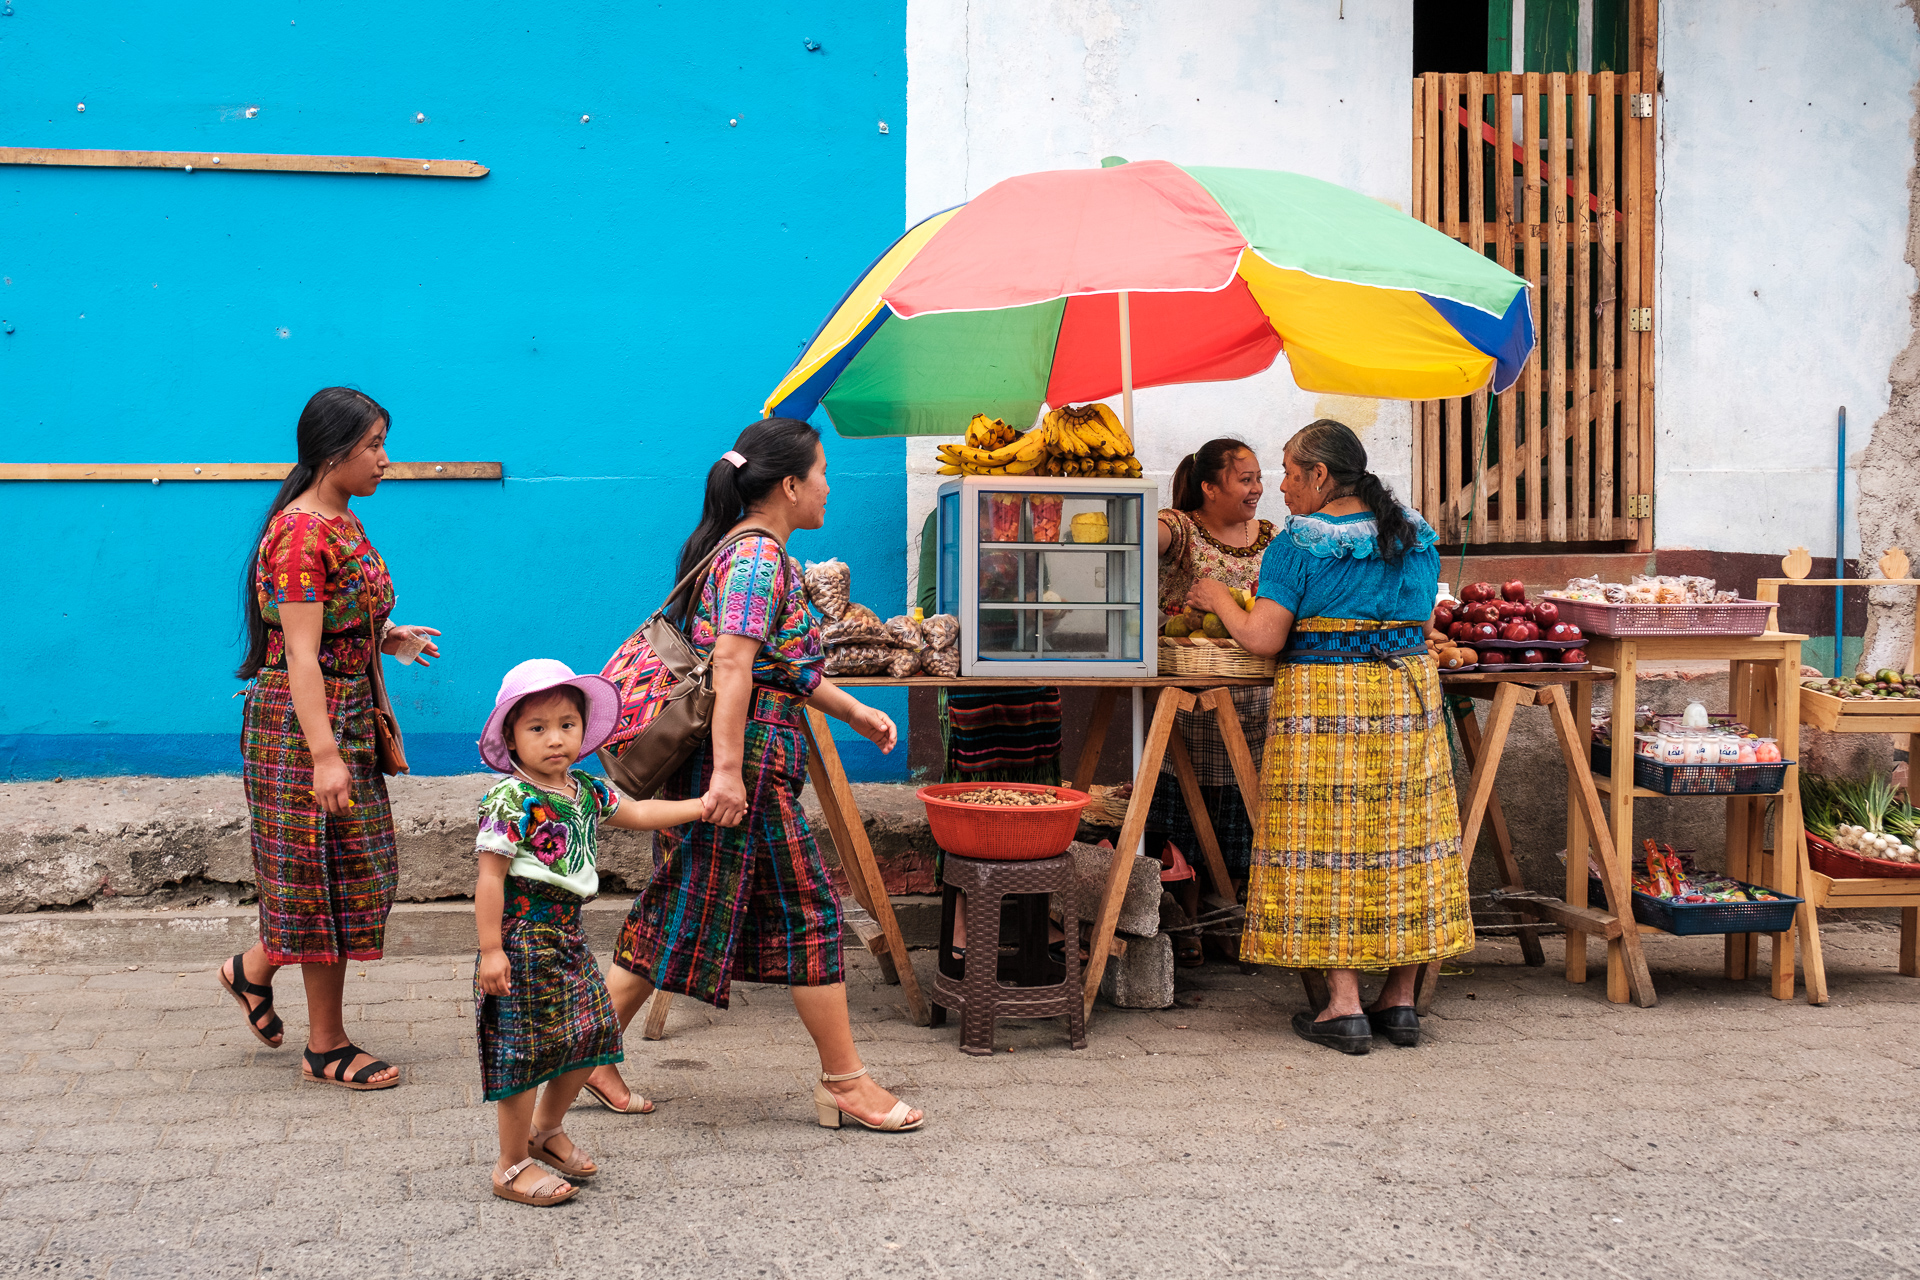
1016, 300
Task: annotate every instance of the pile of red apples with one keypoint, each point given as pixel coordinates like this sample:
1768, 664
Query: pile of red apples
1502, 618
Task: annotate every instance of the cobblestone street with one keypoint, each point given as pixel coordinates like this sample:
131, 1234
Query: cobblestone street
1538, 1131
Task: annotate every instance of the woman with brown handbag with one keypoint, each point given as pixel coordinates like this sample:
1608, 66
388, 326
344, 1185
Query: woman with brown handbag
314, 595
746, 897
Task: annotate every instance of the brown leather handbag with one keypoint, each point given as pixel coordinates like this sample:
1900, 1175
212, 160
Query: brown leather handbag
666, 689
390, 749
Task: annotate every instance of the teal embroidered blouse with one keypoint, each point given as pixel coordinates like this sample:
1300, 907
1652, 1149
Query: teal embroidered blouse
1330, 567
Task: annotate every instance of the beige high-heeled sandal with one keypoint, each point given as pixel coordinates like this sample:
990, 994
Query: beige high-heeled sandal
828, 1108
581, 1166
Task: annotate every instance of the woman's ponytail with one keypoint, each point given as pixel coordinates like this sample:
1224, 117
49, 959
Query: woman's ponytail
334, 421
1333, 445
768, 452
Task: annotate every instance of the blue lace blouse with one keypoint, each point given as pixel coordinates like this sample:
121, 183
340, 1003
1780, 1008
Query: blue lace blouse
1330, 567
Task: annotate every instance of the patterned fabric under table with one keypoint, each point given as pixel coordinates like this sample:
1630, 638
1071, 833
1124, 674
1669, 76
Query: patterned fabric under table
557, 1016
326, 883
1213, 767
1358, 864
752, 902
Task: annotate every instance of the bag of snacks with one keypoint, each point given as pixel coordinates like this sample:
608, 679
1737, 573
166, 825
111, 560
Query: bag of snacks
858, 659
829, 585
941, 631
857, 625
941, 662
904, 663
906, 632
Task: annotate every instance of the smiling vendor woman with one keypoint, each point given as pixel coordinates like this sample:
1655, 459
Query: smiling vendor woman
1212, 530
1357, 863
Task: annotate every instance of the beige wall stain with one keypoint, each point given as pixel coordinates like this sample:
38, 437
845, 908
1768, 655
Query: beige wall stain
1358, 412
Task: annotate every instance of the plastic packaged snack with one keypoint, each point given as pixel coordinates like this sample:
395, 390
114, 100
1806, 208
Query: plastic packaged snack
829, 585
903, 663
941, 662
906, 633
858, 659
857, 625
941, 631
1043, 513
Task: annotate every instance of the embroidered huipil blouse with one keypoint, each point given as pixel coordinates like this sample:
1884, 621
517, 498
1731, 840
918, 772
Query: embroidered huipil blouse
743, 597
551, 839
1330, 567
310, 559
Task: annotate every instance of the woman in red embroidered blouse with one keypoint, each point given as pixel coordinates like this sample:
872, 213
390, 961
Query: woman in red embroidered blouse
316, 594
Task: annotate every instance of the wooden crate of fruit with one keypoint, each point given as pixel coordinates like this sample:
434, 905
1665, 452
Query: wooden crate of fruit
1885, 702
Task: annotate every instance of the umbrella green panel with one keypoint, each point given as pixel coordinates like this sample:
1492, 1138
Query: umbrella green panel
929, 375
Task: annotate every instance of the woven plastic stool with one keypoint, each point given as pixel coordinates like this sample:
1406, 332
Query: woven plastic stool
1027, 984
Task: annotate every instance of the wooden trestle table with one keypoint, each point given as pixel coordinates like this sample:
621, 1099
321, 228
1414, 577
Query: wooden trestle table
1178, 693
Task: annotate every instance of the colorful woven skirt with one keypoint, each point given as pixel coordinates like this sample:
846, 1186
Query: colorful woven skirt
751, 903
556, 1016
1358, 861
1002, 735
326, 883
1207, 751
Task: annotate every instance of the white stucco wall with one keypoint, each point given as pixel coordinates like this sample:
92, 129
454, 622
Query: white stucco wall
1782, 289
1002, 87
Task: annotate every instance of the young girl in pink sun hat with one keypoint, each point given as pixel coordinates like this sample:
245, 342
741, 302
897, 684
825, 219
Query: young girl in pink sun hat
540, 1003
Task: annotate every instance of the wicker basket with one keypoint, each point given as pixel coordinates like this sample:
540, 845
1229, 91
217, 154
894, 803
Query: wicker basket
1204, 656
1598, 618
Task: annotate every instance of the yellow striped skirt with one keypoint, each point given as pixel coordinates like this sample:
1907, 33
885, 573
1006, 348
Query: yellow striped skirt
1357, 860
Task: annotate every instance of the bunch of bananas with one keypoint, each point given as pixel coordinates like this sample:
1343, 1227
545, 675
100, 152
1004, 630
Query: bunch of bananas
1087, 440
994, 449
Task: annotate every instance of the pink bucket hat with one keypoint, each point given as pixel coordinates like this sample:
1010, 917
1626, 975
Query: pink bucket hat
536, 675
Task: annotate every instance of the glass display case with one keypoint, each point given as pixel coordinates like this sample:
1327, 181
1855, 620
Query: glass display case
1050, 576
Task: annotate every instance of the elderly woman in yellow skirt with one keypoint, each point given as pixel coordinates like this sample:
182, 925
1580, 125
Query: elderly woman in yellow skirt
1356, 862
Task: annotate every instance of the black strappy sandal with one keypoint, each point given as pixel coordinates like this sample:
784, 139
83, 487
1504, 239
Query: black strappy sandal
317, 1064
266, 1024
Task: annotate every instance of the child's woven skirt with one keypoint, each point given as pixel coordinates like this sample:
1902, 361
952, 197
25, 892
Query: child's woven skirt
557, 1016
751, 902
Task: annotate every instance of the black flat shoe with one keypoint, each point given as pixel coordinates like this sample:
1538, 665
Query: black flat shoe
1400, 1024
1349, 1035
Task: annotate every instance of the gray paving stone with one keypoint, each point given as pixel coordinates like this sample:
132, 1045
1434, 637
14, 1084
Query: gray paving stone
213, 1263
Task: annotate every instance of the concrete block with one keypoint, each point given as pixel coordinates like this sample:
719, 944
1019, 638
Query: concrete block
1140, 910
1142, 978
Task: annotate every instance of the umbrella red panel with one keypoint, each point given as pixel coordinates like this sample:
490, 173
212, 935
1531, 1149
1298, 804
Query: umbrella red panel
1052, 235
1177, 337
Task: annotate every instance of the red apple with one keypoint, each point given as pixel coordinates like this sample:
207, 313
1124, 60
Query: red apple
1564, 632
1479, 592
1485, 612
1484, 631
1509, 610
1516, 631
1546, 613
1531, 655
1442, 617
1574, 655
1460, 632
1515, 590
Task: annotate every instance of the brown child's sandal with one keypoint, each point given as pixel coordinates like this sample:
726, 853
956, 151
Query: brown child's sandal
549, 1190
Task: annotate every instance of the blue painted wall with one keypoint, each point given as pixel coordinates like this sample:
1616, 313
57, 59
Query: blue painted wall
602, 315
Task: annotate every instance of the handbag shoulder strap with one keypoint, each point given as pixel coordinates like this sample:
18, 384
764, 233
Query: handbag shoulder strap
374, 670
700, 570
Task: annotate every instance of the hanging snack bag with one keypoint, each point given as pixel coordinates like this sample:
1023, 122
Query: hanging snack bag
829, 585
941, 631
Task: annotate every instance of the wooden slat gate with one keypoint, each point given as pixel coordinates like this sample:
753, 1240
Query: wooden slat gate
1553, 174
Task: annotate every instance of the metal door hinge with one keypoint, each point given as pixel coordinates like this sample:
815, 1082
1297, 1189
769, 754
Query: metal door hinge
1640, 106
1640, 319
1639, 506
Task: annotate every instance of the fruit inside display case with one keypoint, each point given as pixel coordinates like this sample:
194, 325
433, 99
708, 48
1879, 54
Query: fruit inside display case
1049, 576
